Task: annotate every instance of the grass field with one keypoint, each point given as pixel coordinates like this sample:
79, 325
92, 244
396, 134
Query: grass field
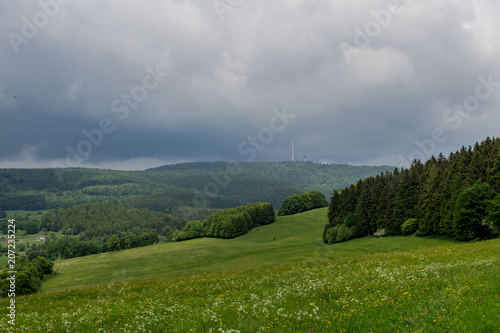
290, 239
279, 278
454, 288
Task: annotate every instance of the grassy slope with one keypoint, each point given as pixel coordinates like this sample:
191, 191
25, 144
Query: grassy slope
290, 239
454, 288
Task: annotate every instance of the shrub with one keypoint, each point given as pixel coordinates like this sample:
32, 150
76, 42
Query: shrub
229, 223
291, 205
330, 235
236, 225
194, 229
298, 203
470, 211
409, 227
339, 233
261, 213
343, 233
379, 233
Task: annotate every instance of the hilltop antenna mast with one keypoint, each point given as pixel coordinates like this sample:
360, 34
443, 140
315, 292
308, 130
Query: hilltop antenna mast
293, 155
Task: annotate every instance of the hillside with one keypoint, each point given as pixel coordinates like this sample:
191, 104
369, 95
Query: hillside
290, 239
204, 185
39, 189
321, 177
440, 289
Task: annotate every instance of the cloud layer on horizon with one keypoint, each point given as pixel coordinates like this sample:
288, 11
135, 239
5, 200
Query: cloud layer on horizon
176, 81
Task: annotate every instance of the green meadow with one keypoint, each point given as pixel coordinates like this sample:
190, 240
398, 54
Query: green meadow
291, 239
279, 278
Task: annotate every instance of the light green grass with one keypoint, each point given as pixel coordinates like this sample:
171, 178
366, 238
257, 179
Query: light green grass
454, 288
290, 239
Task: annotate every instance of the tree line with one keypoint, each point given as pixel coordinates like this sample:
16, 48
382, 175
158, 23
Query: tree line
228, 223
105, 219
456, 196
67, 247
298, 203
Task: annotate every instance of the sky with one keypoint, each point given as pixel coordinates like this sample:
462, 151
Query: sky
137, 84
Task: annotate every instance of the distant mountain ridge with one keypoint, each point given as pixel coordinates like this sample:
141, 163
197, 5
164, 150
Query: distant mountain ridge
323, 177
212, 185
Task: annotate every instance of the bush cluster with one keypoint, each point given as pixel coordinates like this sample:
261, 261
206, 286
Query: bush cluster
409, 227
233, 222
298, 203
228, 223
28, 279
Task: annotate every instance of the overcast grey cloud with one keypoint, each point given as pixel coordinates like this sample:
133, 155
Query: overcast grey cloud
369, 82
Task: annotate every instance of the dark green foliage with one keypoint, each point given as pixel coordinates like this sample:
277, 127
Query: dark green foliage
105, 219
3, 214
191, 213
409, 227
494, 174
298, 203
493, 211
220, 188
22, 202
237, 221
470, 211
70, 246
261, 213
433, 193
114, 243
339, 233
236, 225
194, 229
291, 205
29, 277
323, 177
196, 186
43, 266
31, 227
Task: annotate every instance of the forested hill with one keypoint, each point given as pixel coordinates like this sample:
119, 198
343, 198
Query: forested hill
39, 189
218, 184
458, 196
105, 219
322, 177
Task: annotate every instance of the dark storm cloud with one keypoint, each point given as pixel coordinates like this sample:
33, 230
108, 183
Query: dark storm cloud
366, 81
